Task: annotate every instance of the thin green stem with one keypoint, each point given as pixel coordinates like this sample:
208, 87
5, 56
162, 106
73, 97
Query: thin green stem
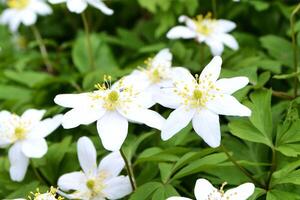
43, 48
129, 170
256, 182
214, 8
38, 175
88, 40
295, 47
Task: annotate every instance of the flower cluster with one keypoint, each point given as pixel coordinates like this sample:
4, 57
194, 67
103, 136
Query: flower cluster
199, 99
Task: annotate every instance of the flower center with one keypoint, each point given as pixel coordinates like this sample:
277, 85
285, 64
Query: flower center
90, 184
113, 96
20, 133
155, 75
96, 185
204, 24
197, 94
18, 4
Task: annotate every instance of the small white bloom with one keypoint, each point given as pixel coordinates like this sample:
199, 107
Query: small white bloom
212, 32
202, 99
112, 107
78, 6
27, 135
95, 183
23, 11
157, 75
204, 190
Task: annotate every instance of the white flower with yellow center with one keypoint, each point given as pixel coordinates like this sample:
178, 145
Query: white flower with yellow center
204, 190
212, 32
78, 6
201, 100
27, 135
95, 183
112, 107
157, 75
23, 11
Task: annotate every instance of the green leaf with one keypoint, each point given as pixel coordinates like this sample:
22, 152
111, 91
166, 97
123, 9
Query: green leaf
280, 195
202, 164
9, 92
28, 78
145, 191
279, 48
102, 54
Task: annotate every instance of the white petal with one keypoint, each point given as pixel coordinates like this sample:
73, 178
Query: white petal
202, 189
177, 120
215, 45
29, 18
229, 41
212, 70
77, 6
230, 85
15, 22
225, 104
188, 21
112, 129
71, 181
241, 192
7, 15
33, 115
87, 155
75, 117
178, 198
34, 148
112, 164
145, 116
181, 32
72, 100
45, 127
18, 163
101, 6
162, 59
41, 8
167, 98
117, 188
207, 126
225, 25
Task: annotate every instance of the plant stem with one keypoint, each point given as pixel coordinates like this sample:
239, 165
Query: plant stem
38, 175
214, 8
88, 40
129, 170
282, 95
43, 48
295, 47
256, 182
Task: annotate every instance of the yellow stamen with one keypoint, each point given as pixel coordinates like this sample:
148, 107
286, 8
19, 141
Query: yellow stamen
90, 184
20, 133
204, 24
113, 96
18, 4
197, 94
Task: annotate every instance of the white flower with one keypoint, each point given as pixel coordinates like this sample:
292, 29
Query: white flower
157, 75
204, 29
23, 11
205, 191
201, 100
78, 6
26, 133
112, 107
95, 183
